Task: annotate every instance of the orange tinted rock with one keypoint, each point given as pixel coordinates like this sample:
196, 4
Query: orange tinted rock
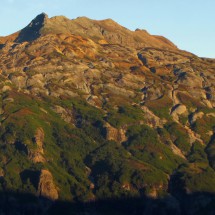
46, 186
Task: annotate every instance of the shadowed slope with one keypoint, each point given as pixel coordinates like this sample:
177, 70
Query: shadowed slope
32, 31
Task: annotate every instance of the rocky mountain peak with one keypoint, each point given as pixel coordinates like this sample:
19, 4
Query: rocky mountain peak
32, 30
108, 31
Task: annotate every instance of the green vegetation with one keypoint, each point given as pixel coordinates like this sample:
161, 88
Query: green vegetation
197, 153
179, 136
83, 163
124, 115
161, 107
197, 175
197, 178
83, 109
145, 145
190, 102
204, 126
210, 150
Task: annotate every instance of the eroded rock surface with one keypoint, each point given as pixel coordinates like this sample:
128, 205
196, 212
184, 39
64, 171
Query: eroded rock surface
36, 154
115, 134
46, 186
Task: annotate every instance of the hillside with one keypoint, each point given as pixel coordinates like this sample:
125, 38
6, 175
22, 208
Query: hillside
94, 113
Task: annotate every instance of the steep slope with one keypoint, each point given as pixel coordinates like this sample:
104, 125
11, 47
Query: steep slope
91, 111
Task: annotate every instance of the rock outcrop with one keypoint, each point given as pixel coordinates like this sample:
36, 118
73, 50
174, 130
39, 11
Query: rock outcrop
36, 153
46, 186
178, 110
195, 116
117, 135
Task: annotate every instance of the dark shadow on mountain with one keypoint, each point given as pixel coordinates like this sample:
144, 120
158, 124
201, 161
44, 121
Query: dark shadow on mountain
2, 46
210, 151
174, 108
15, 203
32, 176
32, 31
21, 147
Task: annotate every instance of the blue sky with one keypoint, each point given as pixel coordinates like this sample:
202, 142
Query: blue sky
190, 24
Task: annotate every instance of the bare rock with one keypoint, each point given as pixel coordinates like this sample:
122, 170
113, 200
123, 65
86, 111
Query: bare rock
153, 193
6, 88
151, 119
176, 150
19, 81
195, 116
39, 138
1, 111
178, 110
36, 80
118, 91
36, 154
210, 114
193, 136
190, 79
117, 135
46, 186
2, 173
126, 186
8, 100
65, 114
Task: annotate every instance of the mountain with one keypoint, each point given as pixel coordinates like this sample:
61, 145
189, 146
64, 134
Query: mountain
98, 119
